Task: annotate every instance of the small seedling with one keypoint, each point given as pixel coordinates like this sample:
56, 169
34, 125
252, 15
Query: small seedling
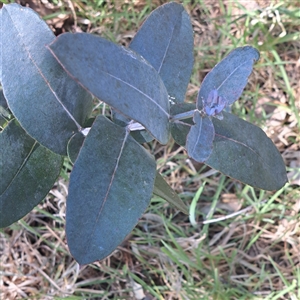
48, 86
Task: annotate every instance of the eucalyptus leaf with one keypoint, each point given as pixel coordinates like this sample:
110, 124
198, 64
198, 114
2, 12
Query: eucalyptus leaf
119, 77
49, 105
230, 76
28, 171
243, 151
166, 41
110, 187
199, 144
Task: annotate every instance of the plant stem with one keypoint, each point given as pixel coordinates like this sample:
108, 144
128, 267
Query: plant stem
182, 116
134, 126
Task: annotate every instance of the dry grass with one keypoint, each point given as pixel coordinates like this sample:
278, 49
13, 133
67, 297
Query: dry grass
255, 255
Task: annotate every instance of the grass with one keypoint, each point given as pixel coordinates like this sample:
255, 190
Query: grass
252, 255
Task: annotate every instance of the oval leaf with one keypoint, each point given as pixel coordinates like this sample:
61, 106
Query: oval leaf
166, 41
45, 100
28, 170
110, 187
243, 151
230, 76
117, 76
164, 191
199, 143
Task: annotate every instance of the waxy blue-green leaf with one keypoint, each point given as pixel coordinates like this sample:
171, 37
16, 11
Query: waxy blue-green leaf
49, 105
230, 76
28, 172
240, 150
199, 143
164, 191
244, 152
166, 41
119, 77
110, 187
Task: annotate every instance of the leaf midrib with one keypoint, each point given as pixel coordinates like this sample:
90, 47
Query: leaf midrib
41, 73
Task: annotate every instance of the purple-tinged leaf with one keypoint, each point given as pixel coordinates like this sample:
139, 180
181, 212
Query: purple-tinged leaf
28, 172
49, 105
244, 152
119, 77
110, 187
199, 143
166, 41
230, 76
214, 104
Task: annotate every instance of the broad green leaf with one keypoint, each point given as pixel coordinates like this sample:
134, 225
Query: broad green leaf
28, 172
49, 105
118, 76
230, 76
166, 41
164, 191
199, 143
243, 151
180, 129
110, 187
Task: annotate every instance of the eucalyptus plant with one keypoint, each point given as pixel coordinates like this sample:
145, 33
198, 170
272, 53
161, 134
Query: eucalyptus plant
49, 84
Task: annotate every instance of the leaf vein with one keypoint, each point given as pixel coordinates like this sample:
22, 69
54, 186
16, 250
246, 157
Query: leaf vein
42, 75
147, 96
